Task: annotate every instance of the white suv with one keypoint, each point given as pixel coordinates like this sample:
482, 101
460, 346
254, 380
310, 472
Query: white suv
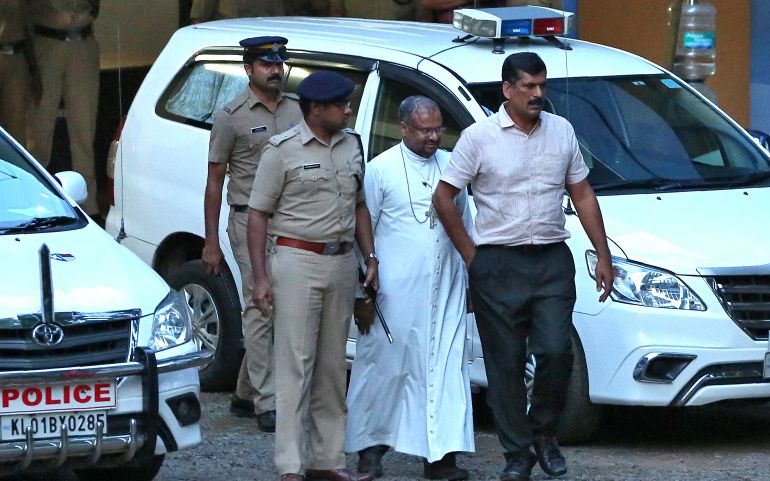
97, 368
683, 189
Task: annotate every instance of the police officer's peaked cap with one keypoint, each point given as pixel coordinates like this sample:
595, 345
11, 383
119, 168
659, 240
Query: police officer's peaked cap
325, 86
267, 49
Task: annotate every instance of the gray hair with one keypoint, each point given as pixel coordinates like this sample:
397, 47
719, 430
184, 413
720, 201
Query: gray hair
414, 103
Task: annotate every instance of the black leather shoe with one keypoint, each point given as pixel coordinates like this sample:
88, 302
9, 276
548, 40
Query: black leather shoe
445, 468
266, 421
518, 466
370, 460
242, 408
548, 455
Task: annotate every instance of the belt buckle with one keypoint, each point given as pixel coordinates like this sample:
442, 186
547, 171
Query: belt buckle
331, 248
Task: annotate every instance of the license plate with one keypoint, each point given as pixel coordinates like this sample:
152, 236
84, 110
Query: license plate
766, 372
50, 425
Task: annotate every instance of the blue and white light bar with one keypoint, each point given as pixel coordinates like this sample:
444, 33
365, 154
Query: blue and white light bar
513, 22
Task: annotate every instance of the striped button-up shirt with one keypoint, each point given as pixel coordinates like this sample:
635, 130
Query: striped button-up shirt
517, 177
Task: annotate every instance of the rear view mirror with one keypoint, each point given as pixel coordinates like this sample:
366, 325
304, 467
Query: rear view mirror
762, 138
74, 185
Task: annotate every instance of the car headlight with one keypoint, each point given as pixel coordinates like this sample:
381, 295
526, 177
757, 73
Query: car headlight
647, 286
171, 323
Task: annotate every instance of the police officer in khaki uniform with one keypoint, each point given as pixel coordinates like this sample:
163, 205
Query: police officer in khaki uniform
378, 9
239, 132
309, 183
205, 10
19, 77
68, 57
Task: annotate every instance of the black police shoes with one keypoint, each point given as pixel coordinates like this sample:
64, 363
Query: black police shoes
445, 468
518, 466
549, 456
370, 460
266, 421
242, 408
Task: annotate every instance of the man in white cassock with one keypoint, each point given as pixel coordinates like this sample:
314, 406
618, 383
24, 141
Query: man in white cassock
413, 395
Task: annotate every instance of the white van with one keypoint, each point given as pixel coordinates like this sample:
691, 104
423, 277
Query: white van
683, 189
97, 368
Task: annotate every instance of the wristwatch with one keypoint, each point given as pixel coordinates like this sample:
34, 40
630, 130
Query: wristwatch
372, 255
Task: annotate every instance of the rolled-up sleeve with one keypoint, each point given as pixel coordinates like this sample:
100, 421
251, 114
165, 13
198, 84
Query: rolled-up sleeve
268, 181
464, 163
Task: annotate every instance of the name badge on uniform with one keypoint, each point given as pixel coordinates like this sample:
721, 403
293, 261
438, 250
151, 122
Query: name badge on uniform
311, 166
261, 128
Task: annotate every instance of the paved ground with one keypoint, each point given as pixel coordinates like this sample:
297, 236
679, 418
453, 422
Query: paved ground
714, 444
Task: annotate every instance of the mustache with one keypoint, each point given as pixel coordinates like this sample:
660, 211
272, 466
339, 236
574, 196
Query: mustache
539, 101
277, 77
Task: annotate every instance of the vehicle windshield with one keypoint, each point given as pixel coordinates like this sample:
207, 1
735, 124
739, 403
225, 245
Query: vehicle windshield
648, 133
28, 202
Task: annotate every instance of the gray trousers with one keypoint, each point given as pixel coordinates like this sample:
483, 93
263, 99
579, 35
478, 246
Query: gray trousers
523, 298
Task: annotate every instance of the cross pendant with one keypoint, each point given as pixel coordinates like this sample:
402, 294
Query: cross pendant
431, 214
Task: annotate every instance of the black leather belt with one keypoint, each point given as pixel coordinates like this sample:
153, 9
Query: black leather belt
10, 48
64, 35
525, 248
241, 209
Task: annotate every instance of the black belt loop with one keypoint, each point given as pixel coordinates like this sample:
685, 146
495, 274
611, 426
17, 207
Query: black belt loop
64, 35
239, 208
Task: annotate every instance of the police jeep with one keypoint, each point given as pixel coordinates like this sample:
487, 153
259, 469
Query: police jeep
682, 187
98, 372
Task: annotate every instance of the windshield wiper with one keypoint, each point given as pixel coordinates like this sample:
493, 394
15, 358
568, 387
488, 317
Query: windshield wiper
38, 223
655, 184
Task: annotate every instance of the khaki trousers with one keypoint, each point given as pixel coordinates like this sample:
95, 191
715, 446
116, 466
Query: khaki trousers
15, 96
255, 379
313, 296
69, 70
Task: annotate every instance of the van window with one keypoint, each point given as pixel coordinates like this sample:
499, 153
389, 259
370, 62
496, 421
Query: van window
648, 132
385, 132
203, 87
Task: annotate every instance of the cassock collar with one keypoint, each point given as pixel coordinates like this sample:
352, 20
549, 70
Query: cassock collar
409, 155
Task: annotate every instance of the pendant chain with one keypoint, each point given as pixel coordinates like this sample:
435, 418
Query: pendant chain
409, 190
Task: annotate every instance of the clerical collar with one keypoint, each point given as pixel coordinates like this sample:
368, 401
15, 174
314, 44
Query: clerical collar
411, 155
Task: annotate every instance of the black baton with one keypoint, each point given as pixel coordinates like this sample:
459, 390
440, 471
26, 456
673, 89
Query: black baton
373, 296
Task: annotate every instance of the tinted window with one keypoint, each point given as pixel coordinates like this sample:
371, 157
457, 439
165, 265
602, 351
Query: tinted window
204, 86
385, 131
648, 132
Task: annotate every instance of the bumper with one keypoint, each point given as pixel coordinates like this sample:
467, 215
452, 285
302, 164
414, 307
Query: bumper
135, 431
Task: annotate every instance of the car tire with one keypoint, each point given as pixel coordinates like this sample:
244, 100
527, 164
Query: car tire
133, 471
581, 418
216, 322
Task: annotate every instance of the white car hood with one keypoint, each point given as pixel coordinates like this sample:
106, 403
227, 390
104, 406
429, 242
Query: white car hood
685, 231
91, 273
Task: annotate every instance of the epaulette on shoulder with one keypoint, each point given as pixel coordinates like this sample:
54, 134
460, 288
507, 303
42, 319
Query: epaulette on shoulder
291, 96
233, 105
277, 139
348, 130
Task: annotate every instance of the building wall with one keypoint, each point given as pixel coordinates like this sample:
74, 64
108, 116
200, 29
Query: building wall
639, 26
760, 65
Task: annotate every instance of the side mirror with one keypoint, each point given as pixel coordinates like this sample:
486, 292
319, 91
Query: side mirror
762, 138
73, 184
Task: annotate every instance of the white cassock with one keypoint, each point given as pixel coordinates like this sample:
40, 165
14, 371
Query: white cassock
413, 395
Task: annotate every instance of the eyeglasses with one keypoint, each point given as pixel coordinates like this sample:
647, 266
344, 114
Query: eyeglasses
427, 130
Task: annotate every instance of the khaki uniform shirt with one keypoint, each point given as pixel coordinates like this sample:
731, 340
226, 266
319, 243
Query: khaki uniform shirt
240, 131
517, 177
63, 14
558, 4
218, 9
310, 188
12, 20
379, 9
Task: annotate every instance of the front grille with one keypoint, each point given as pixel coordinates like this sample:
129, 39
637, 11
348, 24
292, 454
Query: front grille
746, 298
88, 339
